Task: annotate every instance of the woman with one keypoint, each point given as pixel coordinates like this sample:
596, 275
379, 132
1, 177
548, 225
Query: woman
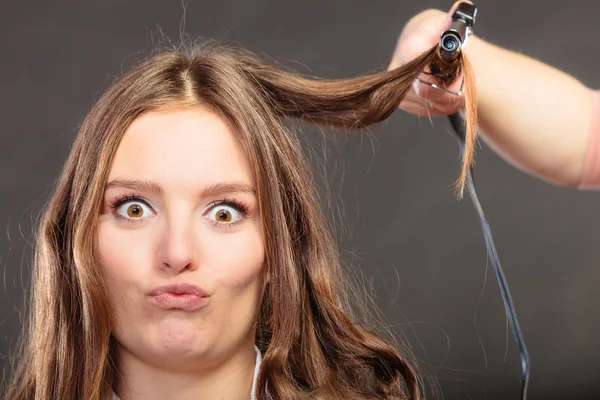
183, 253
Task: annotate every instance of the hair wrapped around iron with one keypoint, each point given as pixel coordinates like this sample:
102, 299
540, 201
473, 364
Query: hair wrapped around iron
362, 101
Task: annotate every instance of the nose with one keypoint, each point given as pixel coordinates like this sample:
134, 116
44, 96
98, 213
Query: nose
177, 248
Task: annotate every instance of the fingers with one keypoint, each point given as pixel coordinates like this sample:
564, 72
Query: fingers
409, 49
421, 33
423, 99
418, 36
426, 108
439, 99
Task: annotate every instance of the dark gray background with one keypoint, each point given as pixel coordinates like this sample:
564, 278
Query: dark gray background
422, 249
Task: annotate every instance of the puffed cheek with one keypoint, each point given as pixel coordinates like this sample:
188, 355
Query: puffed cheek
121, 258
240, 267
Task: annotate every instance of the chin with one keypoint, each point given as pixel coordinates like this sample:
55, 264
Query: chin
180, 339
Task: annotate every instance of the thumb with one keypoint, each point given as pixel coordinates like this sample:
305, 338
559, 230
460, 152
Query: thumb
421, 33
409, 49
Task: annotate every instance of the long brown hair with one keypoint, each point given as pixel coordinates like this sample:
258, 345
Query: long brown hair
312, 343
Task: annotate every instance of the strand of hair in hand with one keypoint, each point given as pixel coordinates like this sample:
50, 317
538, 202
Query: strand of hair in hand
358, 102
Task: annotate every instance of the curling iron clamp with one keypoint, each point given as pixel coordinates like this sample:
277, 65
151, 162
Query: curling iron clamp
452, 42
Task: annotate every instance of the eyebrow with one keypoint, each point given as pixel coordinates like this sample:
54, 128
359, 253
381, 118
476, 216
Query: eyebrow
216, 189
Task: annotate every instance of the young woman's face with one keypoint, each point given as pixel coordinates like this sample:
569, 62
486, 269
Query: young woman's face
180, 240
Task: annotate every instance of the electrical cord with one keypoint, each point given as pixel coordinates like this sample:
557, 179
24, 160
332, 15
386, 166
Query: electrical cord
458, 125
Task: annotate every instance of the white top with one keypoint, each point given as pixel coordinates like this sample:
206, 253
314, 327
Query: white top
256, 368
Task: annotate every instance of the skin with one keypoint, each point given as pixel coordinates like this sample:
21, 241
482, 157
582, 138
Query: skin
536, 117
174, 233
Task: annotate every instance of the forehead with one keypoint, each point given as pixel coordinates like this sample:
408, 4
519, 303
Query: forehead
187, 145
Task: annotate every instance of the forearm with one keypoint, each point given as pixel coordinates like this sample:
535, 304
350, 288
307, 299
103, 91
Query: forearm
536, 117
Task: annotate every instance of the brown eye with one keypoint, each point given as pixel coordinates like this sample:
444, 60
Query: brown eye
134, 211
222, 214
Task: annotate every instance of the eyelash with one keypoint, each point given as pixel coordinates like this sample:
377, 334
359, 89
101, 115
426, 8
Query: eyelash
240, 207
235, 204
118, 202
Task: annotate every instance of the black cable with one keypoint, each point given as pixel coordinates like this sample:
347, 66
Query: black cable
450, 48
458, 124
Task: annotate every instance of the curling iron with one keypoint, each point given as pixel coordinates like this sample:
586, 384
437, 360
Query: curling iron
452, 42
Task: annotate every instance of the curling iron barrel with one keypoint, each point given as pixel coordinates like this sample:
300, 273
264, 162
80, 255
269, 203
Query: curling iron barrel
453, 40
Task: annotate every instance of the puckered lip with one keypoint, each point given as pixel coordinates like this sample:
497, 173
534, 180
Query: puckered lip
180, 288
